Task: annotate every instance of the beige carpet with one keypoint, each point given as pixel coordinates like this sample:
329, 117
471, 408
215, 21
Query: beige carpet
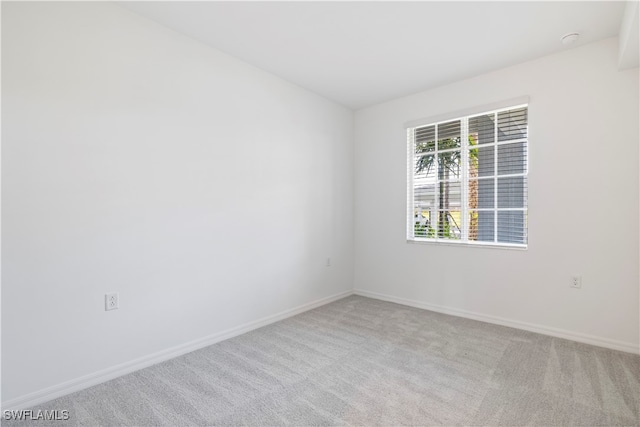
359, 361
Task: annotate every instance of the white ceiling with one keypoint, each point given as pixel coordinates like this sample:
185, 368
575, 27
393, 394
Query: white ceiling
363, 53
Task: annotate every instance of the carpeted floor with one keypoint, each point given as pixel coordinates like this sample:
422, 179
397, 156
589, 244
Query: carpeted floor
360, 361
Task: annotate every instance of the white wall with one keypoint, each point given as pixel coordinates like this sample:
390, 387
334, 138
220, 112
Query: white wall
135, 160
583, 201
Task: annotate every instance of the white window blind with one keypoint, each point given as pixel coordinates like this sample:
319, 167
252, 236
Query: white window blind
467, 179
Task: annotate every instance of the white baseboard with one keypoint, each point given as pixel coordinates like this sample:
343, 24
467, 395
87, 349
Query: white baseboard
53, 392
545, 330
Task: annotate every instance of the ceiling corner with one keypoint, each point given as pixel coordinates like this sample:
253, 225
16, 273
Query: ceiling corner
629, 37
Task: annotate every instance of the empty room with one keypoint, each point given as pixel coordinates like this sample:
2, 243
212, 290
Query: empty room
320, 213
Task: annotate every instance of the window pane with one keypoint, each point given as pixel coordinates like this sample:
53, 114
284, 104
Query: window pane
424, 184
445, 220
481, 129
423, 223
425, 168
482, 194
449, 195
481, 161
425, 139
511, 192
424, 197
512, 226
481, 226
512, 158
512, 124
449, 224
449, 135
449, 165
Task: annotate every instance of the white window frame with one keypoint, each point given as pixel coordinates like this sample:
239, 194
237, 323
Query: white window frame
464, 116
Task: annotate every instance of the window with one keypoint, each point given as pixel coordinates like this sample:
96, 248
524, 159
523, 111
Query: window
467, 179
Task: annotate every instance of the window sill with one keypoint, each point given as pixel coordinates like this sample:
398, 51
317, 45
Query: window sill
506, 246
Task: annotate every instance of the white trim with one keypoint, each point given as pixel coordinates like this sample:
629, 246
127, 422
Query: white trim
464, 178
532, 327
411, 208
499, 105
495, 177
53, 392
470, 243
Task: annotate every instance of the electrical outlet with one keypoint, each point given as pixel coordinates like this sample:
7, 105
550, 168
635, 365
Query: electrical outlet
111, 302
576, 282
